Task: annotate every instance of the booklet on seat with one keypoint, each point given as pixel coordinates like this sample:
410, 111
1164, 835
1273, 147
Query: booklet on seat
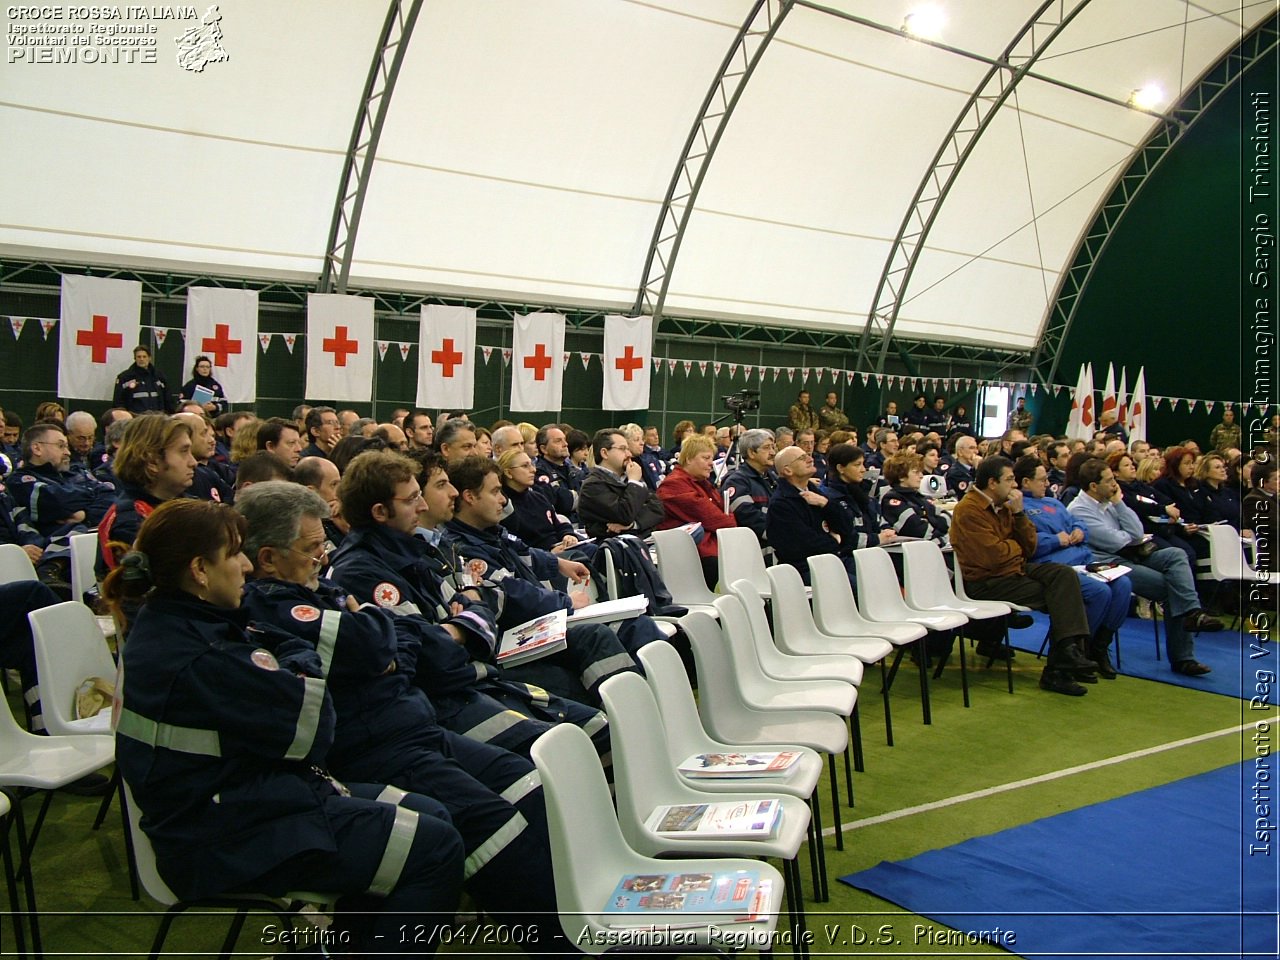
726, 820
740, 894
775, 763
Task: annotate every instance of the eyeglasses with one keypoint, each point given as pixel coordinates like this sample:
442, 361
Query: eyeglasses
316, 562
61, 444
625, 446
416, 498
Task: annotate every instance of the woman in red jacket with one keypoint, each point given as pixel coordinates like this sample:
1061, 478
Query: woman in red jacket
689, 497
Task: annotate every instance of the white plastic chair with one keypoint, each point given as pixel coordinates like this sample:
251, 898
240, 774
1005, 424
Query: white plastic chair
880, 599
1227, 560
665, 624
644, 780
590, 855
686, 737
740, 558
783, 664
145, 857
927, 586
84, 551
15, 565
45, 764
727, 716
681, 570
835, 612
69, 650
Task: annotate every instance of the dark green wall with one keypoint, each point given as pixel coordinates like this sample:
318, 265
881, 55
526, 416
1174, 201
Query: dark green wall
1172, 290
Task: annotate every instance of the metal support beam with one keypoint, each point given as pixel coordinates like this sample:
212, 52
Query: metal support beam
371, 114
1216, 81
753, 37
1032, 39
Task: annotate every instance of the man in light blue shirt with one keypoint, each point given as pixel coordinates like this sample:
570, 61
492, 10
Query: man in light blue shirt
1164, 575
1060, 538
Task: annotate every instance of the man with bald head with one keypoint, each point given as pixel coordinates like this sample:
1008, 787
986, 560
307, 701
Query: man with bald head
801, 522
393, 436
320, 474
506, 438
81, 428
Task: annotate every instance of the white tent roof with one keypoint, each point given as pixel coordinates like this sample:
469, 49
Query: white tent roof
529, 145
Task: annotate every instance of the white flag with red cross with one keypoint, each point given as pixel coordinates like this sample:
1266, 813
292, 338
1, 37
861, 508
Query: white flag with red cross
627, 342
447, 357
339, 347
100, 326
536, 369
223, 325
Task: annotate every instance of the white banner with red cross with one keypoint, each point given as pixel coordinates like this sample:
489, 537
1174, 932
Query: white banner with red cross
627, 344
101, 324
340, 347
447, 357
222, 325
536, 371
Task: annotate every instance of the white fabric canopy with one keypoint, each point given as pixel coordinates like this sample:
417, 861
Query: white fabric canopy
529, 144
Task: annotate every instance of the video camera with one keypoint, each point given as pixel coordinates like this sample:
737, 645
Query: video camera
740, 402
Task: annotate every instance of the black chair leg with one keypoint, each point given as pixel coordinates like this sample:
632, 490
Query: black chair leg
884, 694
855, 731
964, 669
922, 651
11, 883
835, 796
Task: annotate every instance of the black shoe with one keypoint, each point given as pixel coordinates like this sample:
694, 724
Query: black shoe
1200, 622
93, 785
995, 650
1083, 676
1055, 681
1067, 655
1020, 621
1191, 668
1103, 664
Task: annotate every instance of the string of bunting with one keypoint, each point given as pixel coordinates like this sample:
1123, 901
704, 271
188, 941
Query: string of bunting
749, 372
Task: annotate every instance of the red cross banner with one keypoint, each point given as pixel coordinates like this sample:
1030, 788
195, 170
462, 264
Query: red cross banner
99, 328
222, 325
339, 347
536, 370
447, 357
628, 343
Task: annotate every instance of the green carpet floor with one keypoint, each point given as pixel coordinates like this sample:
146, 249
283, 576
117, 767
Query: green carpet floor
1002, 740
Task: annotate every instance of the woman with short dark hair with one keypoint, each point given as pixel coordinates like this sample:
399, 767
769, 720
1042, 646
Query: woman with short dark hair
202, 376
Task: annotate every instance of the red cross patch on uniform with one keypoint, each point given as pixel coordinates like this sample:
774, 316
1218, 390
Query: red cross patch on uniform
895, 502
264, 659
477, 568
305, 613
386, 595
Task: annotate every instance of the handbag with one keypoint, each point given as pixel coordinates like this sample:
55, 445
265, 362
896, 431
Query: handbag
1140, 550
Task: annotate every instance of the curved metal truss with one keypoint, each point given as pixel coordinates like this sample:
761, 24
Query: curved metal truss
363, 147
1216, 81
748, 46
1035, 36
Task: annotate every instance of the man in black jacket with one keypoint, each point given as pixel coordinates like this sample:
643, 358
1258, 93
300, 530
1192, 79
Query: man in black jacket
802, 522
614, 498
141, 388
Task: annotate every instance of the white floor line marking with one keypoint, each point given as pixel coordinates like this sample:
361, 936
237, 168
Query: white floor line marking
1043, 778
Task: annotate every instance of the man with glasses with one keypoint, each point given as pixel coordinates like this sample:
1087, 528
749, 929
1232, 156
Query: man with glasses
52, 496
751, 483
614, 498
387, 730
324, 429
802, 522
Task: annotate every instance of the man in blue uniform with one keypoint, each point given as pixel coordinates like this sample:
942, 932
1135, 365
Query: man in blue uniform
554, 472
141, 388
749, 486
801, 521
44, 486
382, 561
497, 560
386, 729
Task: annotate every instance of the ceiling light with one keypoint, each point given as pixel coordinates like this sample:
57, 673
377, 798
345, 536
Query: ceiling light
925, 22
1147, 98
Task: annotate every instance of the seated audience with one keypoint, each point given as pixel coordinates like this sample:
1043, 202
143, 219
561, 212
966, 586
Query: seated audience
689, 496
532, 517
904, 508
801, 521
614, 498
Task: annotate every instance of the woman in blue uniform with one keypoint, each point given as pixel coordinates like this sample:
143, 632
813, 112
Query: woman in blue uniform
223, 745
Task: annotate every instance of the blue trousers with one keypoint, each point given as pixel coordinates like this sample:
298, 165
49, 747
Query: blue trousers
1166, 576
1105, 604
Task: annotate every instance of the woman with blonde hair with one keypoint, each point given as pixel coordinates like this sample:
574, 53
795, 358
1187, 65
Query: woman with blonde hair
689, 496
245, 443
1215, 497
533, 517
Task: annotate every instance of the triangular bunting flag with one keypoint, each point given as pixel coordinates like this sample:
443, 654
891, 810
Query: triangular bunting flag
776, 371
748, 371
382, 348
791, 374
1208, 407
289, 340
586, 360
865, 377
17, 323
702, 367
733, 370
657, 364
565, 365
506, 356
1033, 389
486, 352
805, 374
404, 350
264, 341
46, 326
716, 367
161, 334
848, 376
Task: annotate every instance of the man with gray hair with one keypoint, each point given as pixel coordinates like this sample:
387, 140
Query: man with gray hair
506, 438
81, 429
456, 439
386, 730
751, 483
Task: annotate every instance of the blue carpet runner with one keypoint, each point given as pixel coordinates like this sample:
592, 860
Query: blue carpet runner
1165, 872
